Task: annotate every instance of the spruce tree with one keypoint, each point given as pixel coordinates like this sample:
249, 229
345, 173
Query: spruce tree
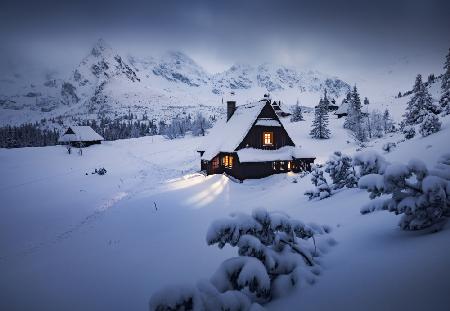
430, 124
320, 124
354, 119
325, 99
420, 104
445, 86
297, 113
387, 122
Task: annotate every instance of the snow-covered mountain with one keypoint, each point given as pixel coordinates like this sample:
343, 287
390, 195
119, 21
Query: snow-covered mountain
109, 83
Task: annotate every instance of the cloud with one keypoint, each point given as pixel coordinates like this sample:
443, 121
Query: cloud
347, 38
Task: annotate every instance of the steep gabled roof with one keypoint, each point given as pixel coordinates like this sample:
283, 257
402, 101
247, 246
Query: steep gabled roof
80, 133
226, 136
342, 108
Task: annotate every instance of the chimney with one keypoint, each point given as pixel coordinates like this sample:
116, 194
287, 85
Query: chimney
231, 106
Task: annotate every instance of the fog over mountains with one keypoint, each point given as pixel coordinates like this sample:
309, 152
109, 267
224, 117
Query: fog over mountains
105, 82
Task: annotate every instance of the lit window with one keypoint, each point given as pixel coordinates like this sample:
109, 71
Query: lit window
268, 138
282, 166
228, 161
274, 166
289, 165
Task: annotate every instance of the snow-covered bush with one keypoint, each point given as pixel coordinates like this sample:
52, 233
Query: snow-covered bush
275, 254
369, 162
430, 124
202, 297
409, 132
421, 196
100, 171
389, 146
341, 171
322, 189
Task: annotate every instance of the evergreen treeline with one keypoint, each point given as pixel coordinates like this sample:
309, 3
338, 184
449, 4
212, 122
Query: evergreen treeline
27, 135
128, 126
120, 129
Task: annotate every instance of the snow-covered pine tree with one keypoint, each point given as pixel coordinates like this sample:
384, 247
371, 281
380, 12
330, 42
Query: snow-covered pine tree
369, 162
320, 124
419, 194
275, 254
200, 125
430, 124
377, 123
322, 190
420, 104
297, 113
388, 124
341, 171
354, 119
326, 101
445, 86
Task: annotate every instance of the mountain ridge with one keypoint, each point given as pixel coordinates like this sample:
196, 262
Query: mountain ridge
106, 82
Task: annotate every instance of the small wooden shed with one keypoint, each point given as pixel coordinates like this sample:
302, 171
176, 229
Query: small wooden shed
80, 136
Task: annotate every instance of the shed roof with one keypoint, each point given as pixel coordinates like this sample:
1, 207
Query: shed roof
80, 133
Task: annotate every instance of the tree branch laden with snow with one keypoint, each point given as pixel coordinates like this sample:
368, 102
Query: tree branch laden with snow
275, 255
421, 196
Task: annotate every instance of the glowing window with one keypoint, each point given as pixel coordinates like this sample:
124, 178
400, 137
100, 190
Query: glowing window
228, 161
282, 166
289, 165
268, 138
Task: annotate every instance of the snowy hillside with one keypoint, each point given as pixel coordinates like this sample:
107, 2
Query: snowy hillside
78, 240
110, 84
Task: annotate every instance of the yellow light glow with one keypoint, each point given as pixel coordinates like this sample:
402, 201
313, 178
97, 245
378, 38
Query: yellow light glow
268, 138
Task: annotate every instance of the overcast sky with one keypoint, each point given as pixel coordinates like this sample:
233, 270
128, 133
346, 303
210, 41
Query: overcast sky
349, 39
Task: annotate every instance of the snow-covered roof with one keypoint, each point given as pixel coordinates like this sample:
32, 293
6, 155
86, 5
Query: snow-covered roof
286, 153
260, 155
342, 108
226, 136
267, 122
81, 133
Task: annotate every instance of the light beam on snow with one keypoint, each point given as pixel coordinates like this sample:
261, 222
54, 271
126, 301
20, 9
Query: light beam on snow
186, 181
208, 195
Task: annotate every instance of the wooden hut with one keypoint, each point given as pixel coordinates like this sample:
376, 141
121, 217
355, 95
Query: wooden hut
80, 136
252, 143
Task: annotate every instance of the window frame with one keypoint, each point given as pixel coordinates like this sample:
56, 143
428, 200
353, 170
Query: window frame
227, 161
270, 138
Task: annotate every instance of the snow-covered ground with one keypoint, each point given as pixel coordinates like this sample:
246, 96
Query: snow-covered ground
72, 240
